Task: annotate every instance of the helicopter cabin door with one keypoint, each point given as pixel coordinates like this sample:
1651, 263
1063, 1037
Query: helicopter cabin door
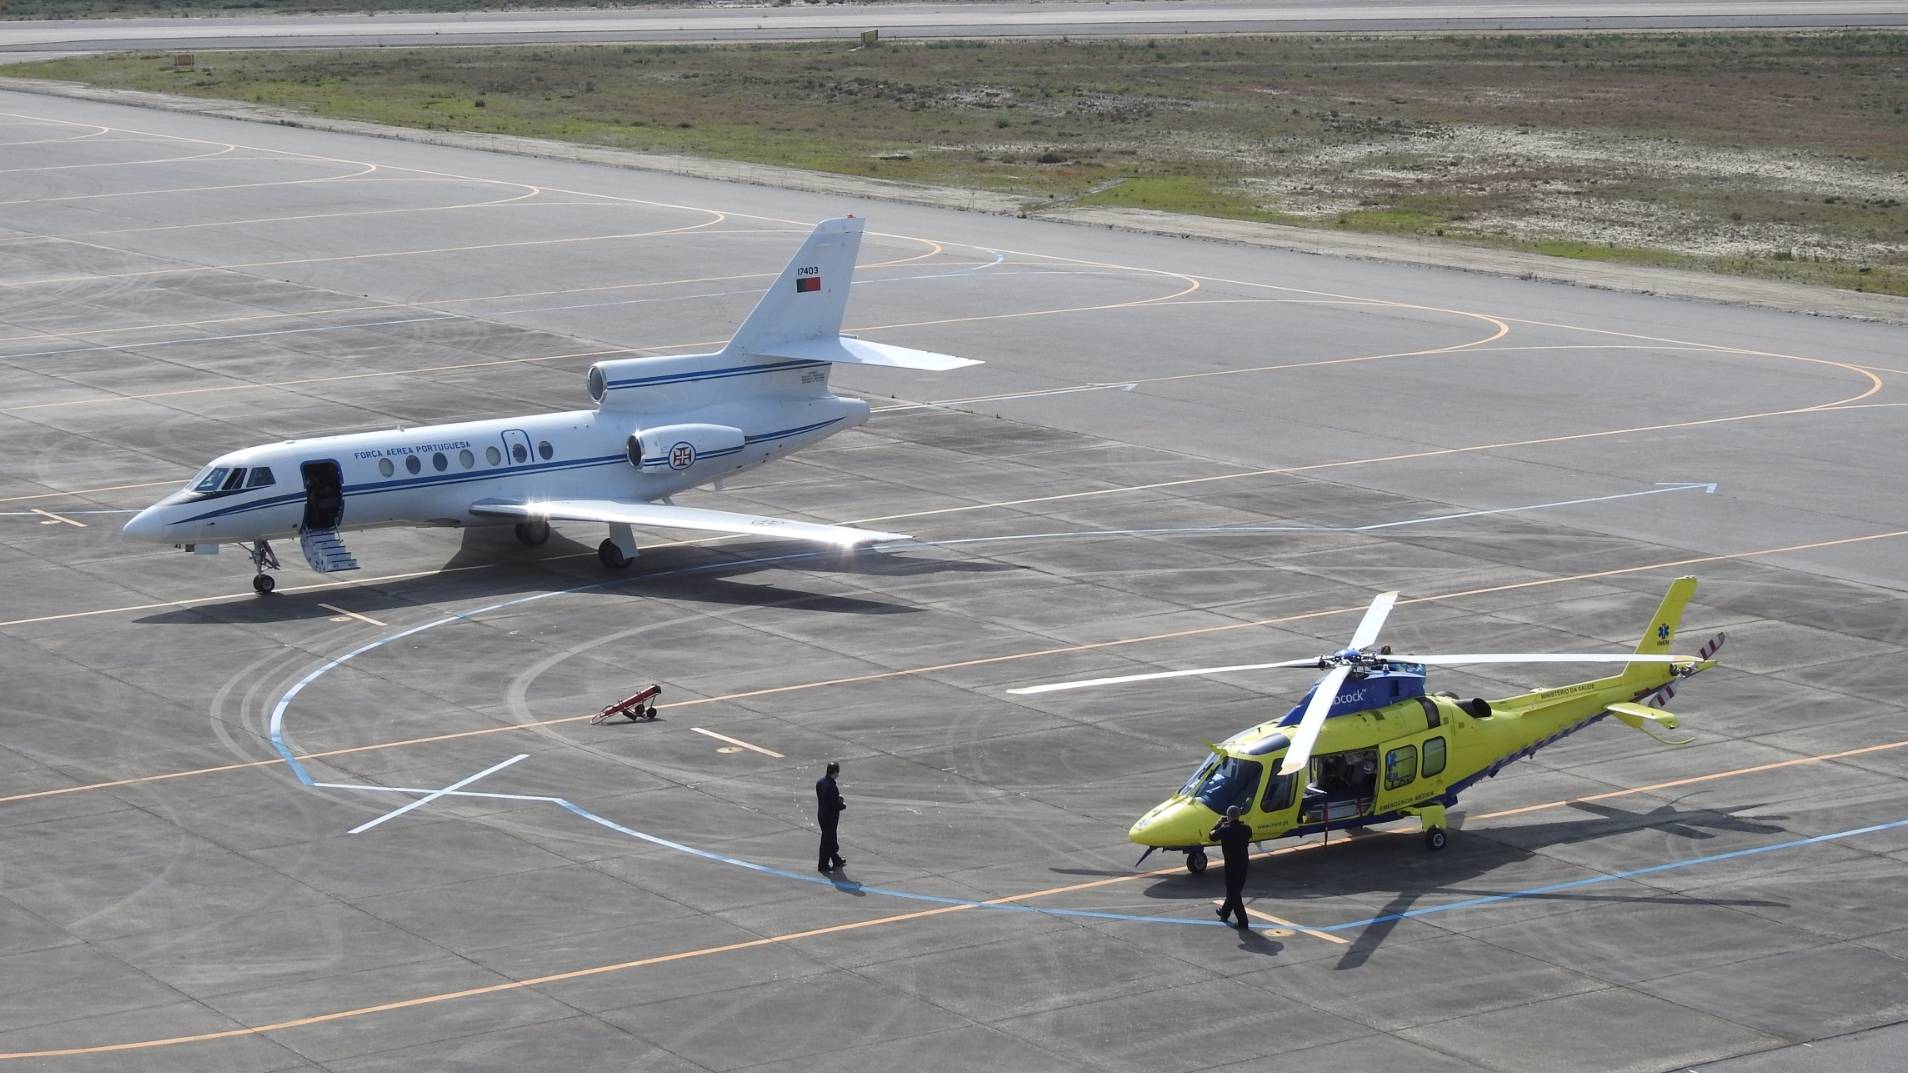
1413, 770
1275, 812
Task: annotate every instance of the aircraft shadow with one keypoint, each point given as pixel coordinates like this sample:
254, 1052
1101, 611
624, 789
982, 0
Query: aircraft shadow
490, 564
1398, 864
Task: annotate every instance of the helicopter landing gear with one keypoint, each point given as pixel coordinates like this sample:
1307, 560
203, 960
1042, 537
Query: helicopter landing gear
1431, 817
1196, 860
534, 532
262, 560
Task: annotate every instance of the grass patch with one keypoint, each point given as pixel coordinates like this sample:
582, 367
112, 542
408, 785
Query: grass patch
1717, 150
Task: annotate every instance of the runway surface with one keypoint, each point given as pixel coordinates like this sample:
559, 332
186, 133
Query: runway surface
931, 21
1178, 453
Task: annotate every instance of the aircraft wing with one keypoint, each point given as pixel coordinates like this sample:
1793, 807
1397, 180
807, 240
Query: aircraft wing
665, 516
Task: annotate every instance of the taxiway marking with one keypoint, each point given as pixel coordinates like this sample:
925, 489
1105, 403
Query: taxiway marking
1287, 925
740, 742
352, 614
435, 794
989, 660
57, 519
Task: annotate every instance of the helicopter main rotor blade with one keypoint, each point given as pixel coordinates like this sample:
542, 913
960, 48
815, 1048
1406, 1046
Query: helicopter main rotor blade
1313, 721
1054, 687
1375, 615
1538, 657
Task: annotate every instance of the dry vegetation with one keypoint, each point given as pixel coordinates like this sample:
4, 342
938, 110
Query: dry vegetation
1776, 154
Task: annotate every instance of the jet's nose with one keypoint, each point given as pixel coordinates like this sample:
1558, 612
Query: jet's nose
146, 525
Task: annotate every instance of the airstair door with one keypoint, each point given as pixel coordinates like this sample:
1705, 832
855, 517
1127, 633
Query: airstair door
324, 494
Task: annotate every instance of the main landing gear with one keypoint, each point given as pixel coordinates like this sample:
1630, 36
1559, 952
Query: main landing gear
1196, 860
1431, 819
533, 533
262, 560
620, 549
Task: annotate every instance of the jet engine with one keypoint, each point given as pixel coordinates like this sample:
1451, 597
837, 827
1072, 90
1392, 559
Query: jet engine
675, 448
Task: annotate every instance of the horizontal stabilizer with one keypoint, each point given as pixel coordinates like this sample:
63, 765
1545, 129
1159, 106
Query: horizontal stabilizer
665, 516
847, 350
1641, 717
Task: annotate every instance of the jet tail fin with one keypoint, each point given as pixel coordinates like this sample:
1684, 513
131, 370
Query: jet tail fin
805, 302
799, 317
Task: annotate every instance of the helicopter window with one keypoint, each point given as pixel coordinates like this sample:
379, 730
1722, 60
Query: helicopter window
1231, 783
1401, 766
1433, 756
261, 477
1278, 793
1198, 776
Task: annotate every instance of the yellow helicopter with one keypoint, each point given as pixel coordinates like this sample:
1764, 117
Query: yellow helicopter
1366, 745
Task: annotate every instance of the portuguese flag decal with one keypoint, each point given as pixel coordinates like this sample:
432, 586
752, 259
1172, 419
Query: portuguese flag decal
804, 284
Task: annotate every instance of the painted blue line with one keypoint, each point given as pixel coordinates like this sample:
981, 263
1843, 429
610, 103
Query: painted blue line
1533, 892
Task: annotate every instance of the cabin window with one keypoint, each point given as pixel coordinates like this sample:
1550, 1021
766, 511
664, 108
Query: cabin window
466, 459
1433, 756
411, 464
439, 462
493, 456
545, 451
1231, 783
385, 468
212, 478
1401, 766
261, 478
519, 452
1278, 793
235, 482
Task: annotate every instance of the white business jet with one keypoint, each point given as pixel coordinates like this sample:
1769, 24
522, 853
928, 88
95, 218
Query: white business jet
661, 425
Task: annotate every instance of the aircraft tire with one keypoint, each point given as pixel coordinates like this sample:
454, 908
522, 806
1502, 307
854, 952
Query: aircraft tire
612, 556
1435, 838
533, 533
1196, 861
263, 584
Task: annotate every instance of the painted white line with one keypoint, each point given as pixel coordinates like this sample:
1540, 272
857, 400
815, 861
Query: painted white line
445, 793
57, 518
435, 794
1300, 928
738, 741
352, 614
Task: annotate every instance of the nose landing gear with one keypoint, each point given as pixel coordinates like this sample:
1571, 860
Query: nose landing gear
262, 560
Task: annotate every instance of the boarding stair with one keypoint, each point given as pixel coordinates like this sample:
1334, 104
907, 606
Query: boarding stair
325, 552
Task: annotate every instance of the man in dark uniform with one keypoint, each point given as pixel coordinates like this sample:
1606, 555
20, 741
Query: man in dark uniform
1235, 837
828, 809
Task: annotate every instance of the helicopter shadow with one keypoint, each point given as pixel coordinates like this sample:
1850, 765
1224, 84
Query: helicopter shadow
1366, 863
490, 564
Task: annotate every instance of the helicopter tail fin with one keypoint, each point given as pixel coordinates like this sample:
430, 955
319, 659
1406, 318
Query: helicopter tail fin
1660, 638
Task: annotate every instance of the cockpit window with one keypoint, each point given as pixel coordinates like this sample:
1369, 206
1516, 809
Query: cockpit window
261, 477
210, 480
235, 482
1232, 782
1198, 776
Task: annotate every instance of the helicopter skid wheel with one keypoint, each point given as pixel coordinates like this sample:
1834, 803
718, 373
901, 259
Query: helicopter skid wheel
263, 584
533, 533
612, 556
1434, 838
1196, 861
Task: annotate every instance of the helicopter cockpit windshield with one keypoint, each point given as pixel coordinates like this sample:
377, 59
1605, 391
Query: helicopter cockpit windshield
1233, 781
